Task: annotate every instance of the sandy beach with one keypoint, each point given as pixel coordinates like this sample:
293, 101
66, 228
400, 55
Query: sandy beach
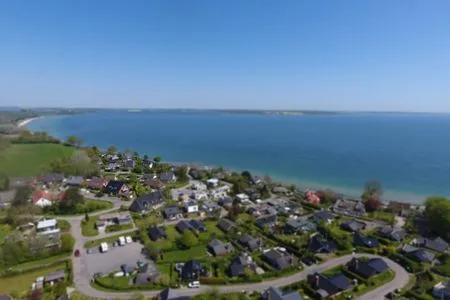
26, 121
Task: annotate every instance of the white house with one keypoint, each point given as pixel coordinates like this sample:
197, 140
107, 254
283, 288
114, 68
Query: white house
212, 182
242, 197
199, 195
191, 207
47, 227
42, 199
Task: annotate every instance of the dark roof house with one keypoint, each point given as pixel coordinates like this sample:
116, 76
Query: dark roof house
97, 183
54, 276
353, 226
294, 226
418, 254
75, 180
192, 270
274, 293
226, 225
278, 259
157, 233
171, 294
116, 187
364, 241
155, 184
319, 244
182, 226
197, 225
147, 202
437, 244
167, 177
323, 216
171, 212
250, 242
395, 234
269, 220
219, 248
329, 286
53, 178
368, 268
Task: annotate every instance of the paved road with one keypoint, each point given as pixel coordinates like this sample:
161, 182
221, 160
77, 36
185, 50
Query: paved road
82, 278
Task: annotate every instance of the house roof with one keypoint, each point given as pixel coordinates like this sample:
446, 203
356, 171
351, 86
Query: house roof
115, 185
155, 183
183, 226
226, 225
156, 233
319, 244
322, 216
42, 195
147, 201
55, 275
53, 177
251, 242
364, 241
301, 225
167, 176
396, 234
46, 223
218, 247
274, 293
277, 259
75, 180
197, 225
353, 225
171, 294
96, 182
437, 244
266, 220
368, 268
191, 267
329, 286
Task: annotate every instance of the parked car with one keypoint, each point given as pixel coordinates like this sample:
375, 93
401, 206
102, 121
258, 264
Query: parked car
194, 284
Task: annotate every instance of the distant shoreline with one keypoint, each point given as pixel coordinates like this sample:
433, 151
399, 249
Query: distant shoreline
23, 123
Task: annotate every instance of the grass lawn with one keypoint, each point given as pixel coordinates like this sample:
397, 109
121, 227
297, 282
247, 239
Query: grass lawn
21, 283
147, 220
444, 269
31, 159
5, 229
88, 227
42, 262
115, 228
110, 239
197, 252
211, 229
378, 281
63, 225
382, 216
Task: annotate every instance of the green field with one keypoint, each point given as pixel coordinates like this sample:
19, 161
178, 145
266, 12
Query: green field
88, 227
5, 229
42, 262
22, 283
31, 159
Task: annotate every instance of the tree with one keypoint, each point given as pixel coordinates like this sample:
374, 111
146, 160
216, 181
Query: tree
247, 175
181, 174
86, 217
111, 150
70, 200
145, 158
157, 159
152, 249
437, 212
372, 204
372, 189
188, 239
23, 194
74, 141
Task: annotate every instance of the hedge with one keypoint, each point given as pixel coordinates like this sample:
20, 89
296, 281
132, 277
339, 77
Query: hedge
407, 263
360, 279
213, 280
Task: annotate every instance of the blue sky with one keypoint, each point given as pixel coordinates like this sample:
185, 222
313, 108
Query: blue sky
290, 54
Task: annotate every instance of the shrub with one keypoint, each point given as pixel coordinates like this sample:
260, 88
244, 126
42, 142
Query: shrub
213, 280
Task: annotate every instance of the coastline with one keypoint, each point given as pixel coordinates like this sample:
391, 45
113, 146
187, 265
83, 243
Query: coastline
23, 123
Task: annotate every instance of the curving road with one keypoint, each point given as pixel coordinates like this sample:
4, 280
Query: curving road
82, 278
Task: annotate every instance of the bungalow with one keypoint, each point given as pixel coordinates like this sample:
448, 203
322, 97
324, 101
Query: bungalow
197, 225
171, 212
74, 180
219, 248
363, 241
250, 242
97, 183
182, 226
191, 207
436, 244
323, 216
192, 270
255, 180
278, 258
294, 226
112, 167
268, 221
441, 290
42, 199
167, 177
212, 182
209, 206
145, 203
54, 277
46, 226
368, 268
392, 233
116, 219
328, 286
226, 225
157, 233
353, 226
116, 187
199, 195
240, 263
129, 163
349, 207
53, 178
274, 293
417, 254
318, 244
155, 184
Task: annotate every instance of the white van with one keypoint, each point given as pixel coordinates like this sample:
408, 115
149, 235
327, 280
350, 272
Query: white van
104, 247
194, 284
121, 241
129, 239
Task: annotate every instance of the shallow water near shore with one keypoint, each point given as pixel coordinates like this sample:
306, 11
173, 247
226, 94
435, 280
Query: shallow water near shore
408, 153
